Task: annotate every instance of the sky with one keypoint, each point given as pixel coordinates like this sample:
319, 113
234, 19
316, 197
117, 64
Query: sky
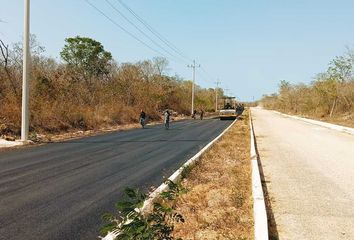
249, 45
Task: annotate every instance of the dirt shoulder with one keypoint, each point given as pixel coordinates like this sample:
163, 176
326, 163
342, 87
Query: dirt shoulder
78, 134
218, 204
346, 121
343, 120
37, 139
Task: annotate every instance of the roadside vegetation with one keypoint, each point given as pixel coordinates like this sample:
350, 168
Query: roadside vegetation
212, 201
132, 222
218, 203
88, 89
330, 97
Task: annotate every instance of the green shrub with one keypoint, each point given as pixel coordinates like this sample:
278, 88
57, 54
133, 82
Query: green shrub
132, 223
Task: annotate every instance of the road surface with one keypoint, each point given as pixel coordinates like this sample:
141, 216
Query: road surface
59, 191
309, 172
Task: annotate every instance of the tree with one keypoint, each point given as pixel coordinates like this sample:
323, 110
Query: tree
36, 52
87, 56
284, 86
160, 65
340, 68
4, 61
11, 63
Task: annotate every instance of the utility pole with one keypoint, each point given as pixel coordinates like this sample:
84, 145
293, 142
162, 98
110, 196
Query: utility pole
216, 94
26, 72
193, 66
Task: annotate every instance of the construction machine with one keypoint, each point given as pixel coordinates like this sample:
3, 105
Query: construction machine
227, 108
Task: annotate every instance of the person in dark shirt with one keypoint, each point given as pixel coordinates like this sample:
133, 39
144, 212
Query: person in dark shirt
228, 106
142, 118
194, 115
166, 115
201, 114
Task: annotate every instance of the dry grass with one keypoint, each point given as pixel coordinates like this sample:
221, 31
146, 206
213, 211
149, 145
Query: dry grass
346, 120
218, 204
71, 134
323, 99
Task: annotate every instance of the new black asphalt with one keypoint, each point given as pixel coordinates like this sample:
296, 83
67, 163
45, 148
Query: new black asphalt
59, 191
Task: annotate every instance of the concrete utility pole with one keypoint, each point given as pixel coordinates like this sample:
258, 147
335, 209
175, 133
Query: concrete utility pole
26, 72
193, 66
216, 94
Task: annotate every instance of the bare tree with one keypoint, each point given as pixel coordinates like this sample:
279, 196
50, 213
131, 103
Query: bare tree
160, 65
4, 53
4, 60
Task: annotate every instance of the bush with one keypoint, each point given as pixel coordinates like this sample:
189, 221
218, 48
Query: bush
134, 224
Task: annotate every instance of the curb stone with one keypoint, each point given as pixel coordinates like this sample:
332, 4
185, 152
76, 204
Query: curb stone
259, 208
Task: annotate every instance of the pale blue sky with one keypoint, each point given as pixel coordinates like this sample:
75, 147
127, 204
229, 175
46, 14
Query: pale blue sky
249, 45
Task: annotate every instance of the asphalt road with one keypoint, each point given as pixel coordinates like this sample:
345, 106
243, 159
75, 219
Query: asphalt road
59, 191
309, 172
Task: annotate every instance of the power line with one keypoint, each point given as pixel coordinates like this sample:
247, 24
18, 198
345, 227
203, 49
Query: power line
153, 31
123, 29
209, 78
205, 71
205, 78
169, 44
136, 27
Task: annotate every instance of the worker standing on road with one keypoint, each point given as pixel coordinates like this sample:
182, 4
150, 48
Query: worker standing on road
201, 114
142, 118
194, 115
239, 109
166, 116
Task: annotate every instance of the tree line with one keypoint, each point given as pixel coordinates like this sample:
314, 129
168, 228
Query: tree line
329, 96
88, 89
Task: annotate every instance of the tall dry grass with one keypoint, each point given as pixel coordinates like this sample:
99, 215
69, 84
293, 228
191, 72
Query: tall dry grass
218, 204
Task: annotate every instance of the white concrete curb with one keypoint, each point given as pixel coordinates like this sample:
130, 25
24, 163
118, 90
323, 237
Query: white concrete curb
320, 123
7, 144
175, 177
259, 208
